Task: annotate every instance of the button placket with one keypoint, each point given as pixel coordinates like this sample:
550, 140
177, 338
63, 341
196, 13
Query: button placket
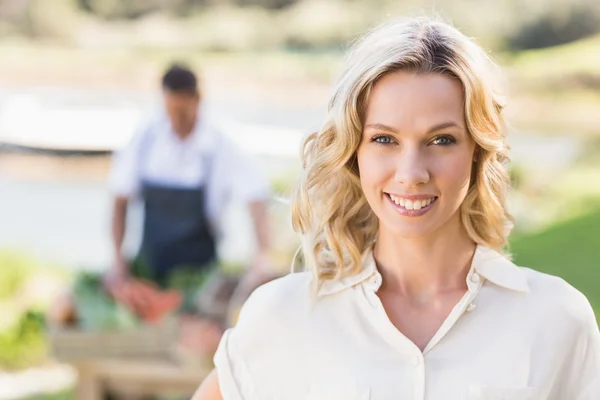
466, 304
417, 360
375, 281
474, 282
419, 363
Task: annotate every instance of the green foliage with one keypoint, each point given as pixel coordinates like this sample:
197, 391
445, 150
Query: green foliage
309, 25
14, 272
549, 64
50, 20
562, 23
306, 24
569, 249
126, 9
95, 309
54, 396
517, 176
22, 337
23, 344
270, 4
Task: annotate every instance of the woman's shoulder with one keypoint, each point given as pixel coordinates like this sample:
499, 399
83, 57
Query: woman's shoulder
282, 298
558, 296
270, 325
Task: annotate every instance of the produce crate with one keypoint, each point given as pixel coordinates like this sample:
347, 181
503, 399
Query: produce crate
71, 344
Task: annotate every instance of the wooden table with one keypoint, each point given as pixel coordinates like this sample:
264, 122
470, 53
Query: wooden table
137, 379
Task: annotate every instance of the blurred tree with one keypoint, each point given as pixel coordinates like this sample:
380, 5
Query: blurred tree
563, 23
52, 20
270, 4
127, 9
509, 24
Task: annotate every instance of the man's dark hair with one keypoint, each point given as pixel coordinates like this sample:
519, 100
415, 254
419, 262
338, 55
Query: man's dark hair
180, 79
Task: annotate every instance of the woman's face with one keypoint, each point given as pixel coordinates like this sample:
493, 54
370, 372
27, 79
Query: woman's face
415, 156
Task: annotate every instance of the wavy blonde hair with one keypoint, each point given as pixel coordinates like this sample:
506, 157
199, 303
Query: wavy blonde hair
329, 208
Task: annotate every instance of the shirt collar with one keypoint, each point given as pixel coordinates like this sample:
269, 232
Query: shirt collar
202, 137
487, 263
205, 139
368, 271
499, 270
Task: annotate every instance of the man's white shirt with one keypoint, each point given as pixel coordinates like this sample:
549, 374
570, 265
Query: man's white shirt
206, 158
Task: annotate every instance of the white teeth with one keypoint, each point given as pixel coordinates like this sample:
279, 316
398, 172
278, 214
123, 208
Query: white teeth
411, 204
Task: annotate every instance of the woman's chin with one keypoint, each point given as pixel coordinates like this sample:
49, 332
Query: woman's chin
411, 227
407, 231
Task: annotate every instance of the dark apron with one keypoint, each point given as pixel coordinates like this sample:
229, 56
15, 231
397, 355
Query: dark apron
178, 248
176, 231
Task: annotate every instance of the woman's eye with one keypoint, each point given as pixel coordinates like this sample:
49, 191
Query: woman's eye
382, 139
443, 140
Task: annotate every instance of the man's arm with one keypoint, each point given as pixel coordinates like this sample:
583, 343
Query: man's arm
119, 225
124, 180
260, 217
241, 177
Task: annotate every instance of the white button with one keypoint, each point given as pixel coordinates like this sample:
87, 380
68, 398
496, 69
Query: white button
417, 361
475, 278
376, 280
471, 307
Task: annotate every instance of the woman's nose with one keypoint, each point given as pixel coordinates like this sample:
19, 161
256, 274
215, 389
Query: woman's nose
411, 168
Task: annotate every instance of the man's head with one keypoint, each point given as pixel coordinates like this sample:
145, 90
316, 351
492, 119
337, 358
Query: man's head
181, 97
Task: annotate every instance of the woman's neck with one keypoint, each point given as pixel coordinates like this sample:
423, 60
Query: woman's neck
421, 268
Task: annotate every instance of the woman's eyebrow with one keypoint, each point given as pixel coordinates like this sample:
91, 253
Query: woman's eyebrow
438, 127
444, 125
382, 127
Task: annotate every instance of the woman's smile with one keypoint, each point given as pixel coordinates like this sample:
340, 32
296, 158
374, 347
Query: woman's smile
412, 206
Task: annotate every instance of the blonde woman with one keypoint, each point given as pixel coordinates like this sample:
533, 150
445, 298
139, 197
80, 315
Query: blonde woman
402, 212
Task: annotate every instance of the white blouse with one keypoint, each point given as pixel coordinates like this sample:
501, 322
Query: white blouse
517, 334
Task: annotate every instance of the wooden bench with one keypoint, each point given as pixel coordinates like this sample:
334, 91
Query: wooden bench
136, 379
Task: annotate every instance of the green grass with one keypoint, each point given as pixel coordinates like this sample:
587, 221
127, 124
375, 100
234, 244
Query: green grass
54, 396
556, 89
569, 249
580, 57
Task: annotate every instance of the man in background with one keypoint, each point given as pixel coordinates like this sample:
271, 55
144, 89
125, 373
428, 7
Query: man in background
185, 171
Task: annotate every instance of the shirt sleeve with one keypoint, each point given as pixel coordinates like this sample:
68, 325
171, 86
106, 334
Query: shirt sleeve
234, 379
583, 370
124, 177
237, 347
245, 179
253, 360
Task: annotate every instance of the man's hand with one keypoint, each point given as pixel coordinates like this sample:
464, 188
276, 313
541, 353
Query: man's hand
259, 272
118, 273
261, 264
146, 300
